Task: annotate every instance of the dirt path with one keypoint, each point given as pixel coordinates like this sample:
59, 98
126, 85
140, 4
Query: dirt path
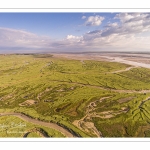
86, 124
104, 88
89, 126
127, 69
83, 57
34, 121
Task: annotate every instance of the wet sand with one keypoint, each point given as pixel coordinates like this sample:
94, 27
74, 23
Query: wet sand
130, 59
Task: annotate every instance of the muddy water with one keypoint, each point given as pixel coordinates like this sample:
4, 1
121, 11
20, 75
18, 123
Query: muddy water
38, 122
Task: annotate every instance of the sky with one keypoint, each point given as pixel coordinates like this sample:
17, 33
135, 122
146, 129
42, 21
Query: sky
74, 32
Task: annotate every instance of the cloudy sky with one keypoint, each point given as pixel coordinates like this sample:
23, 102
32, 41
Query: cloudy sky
74, 32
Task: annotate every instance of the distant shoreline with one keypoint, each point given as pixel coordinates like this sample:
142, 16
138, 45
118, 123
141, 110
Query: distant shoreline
83, 52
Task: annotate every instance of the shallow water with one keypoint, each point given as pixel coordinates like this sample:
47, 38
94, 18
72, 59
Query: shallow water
121, 60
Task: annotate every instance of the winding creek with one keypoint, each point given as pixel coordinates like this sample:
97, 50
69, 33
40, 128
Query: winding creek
38, 122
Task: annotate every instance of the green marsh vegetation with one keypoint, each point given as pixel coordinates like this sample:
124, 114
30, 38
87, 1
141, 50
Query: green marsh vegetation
61, 91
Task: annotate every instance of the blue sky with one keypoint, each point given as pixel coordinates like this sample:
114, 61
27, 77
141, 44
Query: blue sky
37, 32
56, 25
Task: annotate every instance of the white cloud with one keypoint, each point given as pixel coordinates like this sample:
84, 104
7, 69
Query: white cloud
94, 20
116, 42
135, 22
127, 32
83, 17
72, 38
129, 23
20, 38
124, 17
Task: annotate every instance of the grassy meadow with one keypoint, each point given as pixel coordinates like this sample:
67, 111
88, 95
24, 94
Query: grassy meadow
86, 97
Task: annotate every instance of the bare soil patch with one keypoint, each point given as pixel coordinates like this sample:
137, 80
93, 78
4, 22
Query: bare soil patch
123, 100
28, 103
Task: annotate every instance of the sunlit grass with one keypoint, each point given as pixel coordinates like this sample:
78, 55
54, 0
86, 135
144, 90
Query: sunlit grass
64, 88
